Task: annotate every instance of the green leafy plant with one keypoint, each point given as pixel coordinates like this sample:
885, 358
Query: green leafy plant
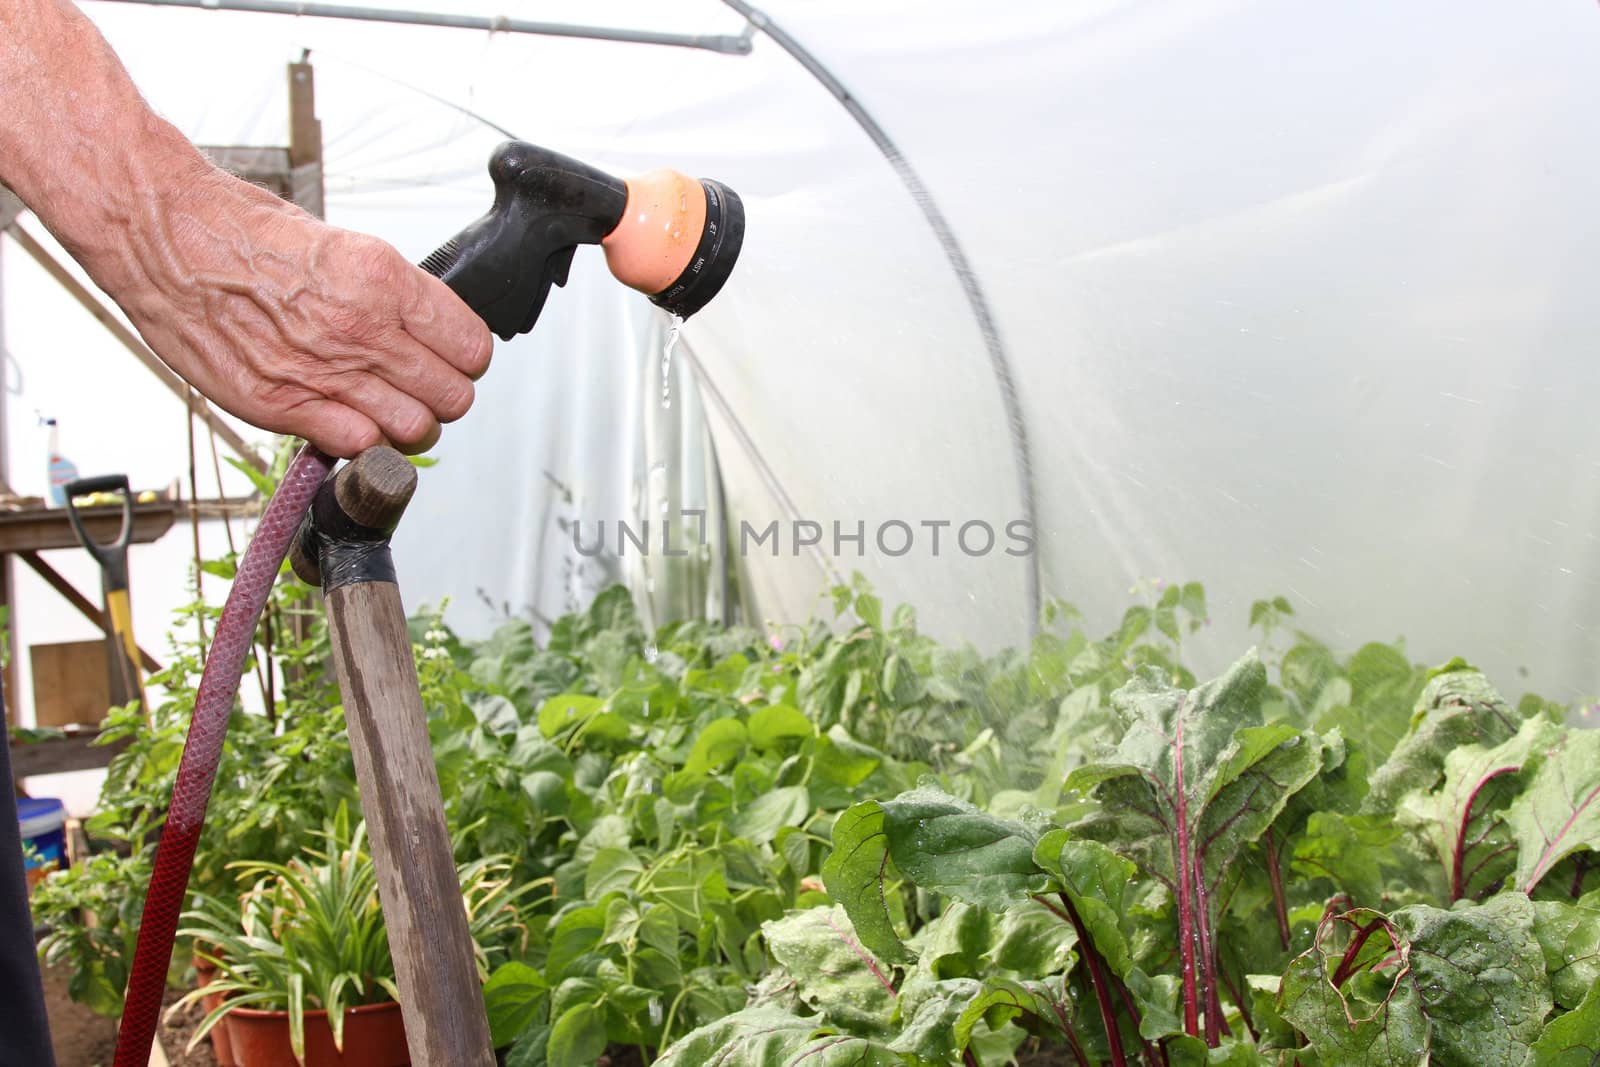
309, 933
1136, 922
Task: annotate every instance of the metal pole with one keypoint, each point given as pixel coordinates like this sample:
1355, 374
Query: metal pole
727, 44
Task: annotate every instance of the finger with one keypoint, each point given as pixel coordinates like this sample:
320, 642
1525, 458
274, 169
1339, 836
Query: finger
404, 421
338, 430
440, 321
416, 371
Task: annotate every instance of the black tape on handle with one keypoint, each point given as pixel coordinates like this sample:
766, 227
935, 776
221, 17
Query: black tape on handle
347, 552
352, 562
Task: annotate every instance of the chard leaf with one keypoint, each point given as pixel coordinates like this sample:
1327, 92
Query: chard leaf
948, 846
1570, 937
1195, 779
833, 973
939, 844
1480, 972
1558, 812
1457, 708
1461, 819
1357, 1016
1096, 879
1573, 1039
855, 873
769, 1037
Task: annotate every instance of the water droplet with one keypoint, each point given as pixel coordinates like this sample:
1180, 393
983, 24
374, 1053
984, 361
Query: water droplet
655, 1011
666, 360
651, 652
664, 507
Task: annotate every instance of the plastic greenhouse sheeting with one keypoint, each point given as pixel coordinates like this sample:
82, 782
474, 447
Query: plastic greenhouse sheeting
1297, 299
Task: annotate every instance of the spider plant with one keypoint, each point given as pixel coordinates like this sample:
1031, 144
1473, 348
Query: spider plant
308, 934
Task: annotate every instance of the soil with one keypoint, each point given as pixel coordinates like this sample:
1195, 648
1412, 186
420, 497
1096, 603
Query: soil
621, 1056
1033, 1054
176, 1029
80, 1037
83, 1039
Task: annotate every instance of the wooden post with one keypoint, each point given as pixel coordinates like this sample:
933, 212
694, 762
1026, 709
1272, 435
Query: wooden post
305, 139
440, 996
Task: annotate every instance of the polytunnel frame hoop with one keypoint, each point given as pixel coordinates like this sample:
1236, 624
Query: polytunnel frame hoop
999, 358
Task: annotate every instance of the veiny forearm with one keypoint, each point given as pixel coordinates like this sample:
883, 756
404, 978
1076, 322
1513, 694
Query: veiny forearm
289, 323
78, 143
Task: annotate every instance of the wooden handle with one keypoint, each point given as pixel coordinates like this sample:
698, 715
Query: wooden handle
435, 969
370, 493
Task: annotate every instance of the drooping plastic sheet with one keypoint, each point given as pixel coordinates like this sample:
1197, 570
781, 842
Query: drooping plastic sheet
1297, 300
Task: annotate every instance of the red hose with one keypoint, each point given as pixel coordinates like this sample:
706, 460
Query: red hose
219, 684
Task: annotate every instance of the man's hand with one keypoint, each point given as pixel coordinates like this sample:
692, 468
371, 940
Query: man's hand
284, 321
294, 325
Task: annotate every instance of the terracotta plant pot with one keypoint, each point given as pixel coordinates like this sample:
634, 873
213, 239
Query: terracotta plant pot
374, 1036
221, 1043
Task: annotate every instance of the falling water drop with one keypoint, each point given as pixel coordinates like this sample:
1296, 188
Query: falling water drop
666, 360
654, 1008
651, 652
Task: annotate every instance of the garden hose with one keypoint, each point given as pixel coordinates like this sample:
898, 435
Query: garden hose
667, 235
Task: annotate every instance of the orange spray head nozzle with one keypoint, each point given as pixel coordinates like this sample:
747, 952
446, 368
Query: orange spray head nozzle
672, 237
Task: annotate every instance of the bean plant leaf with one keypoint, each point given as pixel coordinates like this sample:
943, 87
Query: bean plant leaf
1461, 819
834, 974
1457, 708
578, 1037
1558, 813
771, 727
718, 743
513, 996
761, 819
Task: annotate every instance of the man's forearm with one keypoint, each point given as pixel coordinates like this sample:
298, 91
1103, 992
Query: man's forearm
79, 144
75, 130
294, 325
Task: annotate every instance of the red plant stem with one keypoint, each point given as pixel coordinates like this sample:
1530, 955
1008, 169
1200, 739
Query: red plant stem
1186, 942
1244, 1009
1278, 903
1348, 964
1579, 873
1215, 1024
1458, 887
968, 1058
1100, 981
1133, 1013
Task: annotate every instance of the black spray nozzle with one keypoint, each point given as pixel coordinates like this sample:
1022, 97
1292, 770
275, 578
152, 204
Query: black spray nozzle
679, 245
545, 205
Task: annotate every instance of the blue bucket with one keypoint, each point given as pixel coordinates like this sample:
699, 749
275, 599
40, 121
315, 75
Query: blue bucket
43, 822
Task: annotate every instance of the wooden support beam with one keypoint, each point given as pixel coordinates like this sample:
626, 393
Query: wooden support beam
305, 139
87, 607
132, 342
